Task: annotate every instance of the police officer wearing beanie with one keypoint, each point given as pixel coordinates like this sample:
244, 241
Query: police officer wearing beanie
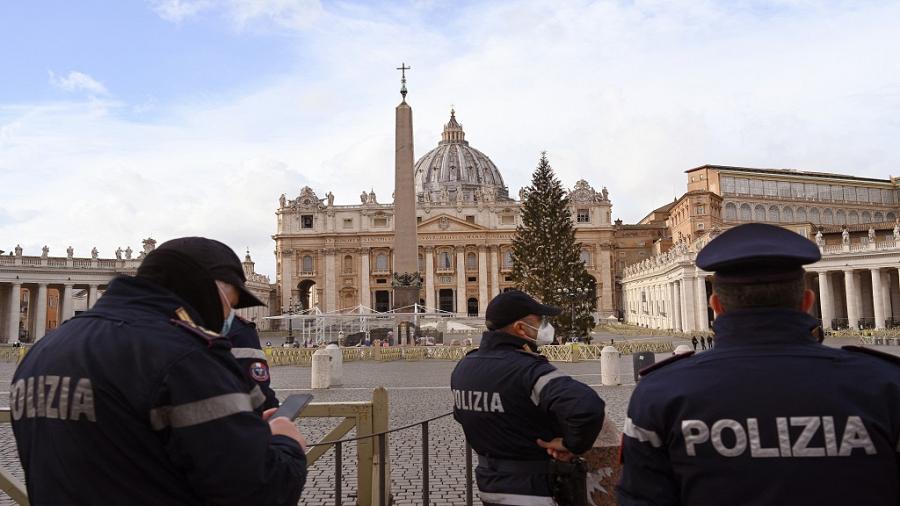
769, 415
516, 409
143, 391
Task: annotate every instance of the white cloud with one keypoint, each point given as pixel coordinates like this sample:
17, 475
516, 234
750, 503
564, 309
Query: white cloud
625, 95
290, 14
76, 81
177, 10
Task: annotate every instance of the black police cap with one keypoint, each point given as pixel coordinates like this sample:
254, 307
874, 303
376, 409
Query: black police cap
514, 305
221, 262
756, 252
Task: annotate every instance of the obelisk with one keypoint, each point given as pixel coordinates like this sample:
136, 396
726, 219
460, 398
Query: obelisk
406, 280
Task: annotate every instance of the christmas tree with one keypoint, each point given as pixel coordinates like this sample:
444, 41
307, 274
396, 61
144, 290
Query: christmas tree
546, 258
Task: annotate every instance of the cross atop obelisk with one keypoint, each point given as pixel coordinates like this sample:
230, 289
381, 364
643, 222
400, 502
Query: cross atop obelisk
403, 68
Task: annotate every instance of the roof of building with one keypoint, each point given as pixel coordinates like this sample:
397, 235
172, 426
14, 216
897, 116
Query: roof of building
790, 172
453, 164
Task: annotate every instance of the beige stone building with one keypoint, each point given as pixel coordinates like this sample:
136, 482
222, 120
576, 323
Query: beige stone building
339, 257
853, 219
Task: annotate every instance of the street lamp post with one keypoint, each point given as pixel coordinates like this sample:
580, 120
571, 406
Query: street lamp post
572, 292
290, 311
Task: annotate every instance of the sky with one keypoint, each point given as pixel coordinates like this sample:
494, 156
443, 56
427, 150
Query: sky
132, 119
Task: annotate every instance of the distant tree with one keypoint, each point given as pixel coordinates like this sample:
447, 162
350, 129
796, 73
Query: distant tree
546, 257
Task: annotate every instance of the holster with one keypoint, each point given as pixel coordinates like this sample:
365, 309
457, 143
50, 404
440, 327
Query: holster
570, 482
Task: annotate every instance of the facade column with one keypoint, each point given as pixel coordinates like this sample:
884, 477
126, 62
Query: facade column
702, 304
40, 312
877, 298
429, 279
15, 311
826, 301
92, 296
482, 281
676, 305
67, 307
495, 271
670, 309
330, 282
460, 281
365, 290
852, 299
886, 295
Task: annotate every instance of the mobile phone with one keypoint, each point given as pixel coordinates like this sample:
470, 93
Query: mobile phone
292, 406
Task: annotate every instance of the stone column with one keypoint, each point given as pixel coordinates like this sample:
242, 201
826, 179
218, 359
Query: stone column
460, 281
330, 282
92, 296
67, 307
886, 295
495, 271
365, 291
702, 304
14, 309
676, 303
483, 298
605, 304
287, 279
826, 300
670, 305
878, 298
852, 299
429, 279
40, 311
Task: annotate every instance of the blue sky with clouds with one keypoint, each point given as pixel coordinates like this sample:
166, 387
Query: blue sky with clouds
120, 120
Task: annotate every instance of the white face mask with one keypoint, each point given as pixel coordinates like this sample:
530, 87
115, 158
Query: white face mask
545, 333
229, 320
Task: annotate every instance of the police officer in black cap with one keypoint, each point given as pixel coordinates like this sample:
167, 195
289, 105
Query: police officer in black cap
770, 415
517, 410
143, 390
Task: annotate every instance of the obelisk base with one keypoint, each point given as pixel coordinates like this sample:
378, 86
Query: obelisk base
405, 299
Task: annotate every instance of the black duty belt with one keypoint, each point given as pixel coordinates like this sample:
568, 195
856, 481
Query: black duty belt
516, 466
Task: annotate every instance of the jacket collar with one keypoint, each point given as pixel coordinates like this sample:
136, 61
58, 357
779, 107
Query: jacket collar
763, 326
129, 298
497, 340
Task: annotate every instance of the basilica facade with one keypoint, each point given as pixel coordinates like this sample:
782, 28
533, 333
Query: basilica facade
339, 258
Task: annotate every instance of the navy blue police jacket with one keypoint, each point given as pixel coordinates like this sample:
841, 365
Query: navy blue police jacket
247, 351
127, 403
768, 416
506, 399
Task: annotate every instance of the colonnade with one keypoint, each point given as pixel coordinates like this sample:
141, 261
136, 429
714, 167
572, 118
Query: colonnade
679, 304
858, 297
35, 325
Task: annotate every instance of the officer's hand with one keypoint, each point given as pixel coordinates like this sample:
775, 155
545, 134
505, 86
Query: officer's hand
556, 449
284, 427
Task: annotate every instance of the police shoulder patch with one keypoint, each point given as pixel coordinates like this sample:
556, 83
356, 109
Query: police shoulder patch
659, 365
875, 353
259, 371
211, 338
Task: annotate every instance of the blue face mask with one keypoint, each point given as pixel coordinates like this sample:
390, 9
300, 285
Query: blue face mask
226, 326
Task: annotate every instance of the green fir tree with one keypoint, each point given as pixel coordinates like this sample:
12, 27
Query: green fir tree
546, 257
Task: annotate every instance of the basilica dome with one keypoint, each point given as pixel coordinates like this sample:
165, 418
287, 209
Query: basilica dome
454, 167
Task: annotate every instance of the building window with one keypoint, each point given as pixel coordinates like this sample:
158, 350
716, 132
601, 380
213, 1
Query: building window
348, 264
585, 257
811, 192
700, 226
348, 222
306, 221
849, 194
759, 213
507, 259
824, 192
774, 215
507, 219
784, 189
381, 262
745, 212
471, 261
444, 261
787, 214
730, 212
852, 218
756, 187
887, 197
814, 216
470, 218
771, 188
727, 184
742, 185
878, 218
701, 209
380, 222
840, 218
801, 215
418, 219
828, 217
583, 216
891, 217
866, 217
797, 190
837, 193
306, 264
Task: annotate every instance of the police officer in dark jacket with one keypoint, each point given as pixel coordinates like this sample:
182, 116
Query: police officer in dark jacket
769, 415
136, 402
516, 409
249, 354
